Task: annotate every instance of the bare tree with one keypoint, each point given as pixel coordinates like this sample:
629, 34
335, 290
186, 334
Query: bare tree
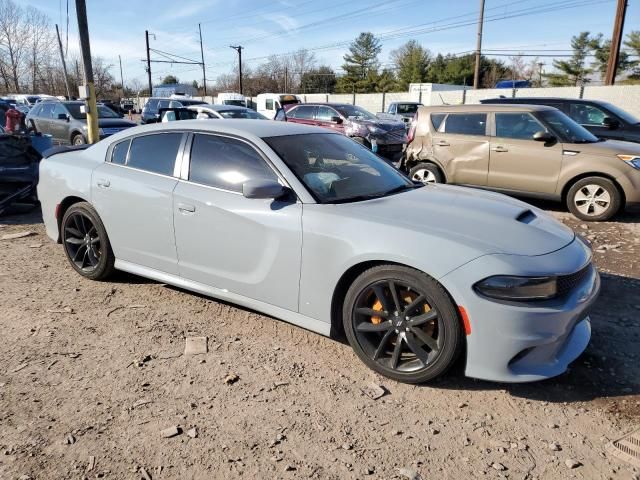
40, 44
13, 41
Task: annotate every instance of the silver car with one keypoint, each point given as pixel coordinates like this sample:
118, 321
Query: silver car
308, 226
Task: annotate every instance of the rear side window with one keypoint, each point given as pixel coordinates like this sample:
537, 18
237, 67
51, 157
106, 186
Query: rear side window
155, 153
226, 163
302, 113
466, 123
436, 119
119, 152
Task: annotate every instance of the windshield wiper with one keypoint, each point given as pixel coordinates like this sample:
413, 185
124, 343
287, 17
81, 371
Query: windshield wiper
361, 198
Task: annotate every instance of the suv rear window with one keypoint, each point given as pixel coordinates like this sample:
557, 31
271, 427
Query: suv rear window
466, 123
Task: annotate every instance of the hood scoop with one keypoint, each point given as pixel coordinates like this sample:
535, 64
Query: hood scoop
526, 217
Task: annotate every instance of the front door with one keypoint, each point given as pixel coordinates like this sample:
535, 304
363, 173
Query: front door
518, 162
326, 117
60, 127
133, 194
249, 247
461, 145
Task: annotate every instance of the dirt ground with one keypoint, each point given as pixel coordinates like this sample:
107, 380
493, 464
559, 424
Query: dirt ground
92, 373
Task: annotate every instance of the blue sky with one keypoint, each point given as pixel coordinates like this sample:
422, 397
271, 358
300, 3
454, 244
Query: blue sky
117, 27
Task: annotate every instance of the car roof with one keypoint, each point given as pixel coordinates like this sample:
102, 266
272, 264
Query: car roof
240, 127
217, 108
498, 107
542, 99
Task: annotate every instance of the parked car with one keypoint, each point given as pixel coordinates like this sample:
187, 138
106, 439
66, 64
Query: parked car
400, 111
229, 98
127, 105
527, 150
268, 104
28, 100
150, 111
115, 106
412, 274
603, 119
513, 84
66, 121
381, 136
226, 111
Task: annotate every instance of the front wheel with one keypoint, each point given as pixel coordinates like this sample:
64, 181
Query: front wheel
86, 243
78, 139
594, 199
426, 173
402, 324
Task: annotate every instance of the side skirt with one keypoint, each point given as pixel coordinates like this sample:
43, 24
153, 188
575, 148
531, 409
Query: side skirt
317, 326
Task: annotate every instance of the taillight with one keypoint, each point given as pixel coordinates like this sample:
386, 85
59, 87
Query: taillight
412, 132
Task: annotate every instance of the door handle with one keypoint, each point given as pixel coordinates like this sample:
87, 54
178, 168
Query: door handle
499, 149
185, 208
102, 183
442, 143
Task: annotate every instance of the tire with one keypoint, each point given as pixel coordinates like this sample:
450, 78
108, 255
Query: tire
374, 336
426, 173
594, 199
78, 139
86, 243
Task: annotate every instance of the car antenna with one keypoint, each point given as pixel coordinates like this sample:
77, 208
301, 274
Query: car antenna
442, 99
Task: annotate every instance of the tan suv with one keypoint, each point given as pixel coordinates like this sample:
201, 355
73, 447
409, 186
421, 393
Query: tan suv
526, 150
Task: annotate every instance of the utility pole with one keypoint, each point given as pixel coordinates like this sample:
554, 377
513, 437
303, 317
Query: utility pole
540, 65
286, 79
64, 64
146, 37
476, 74
616, 41
90, 92
204, 75
121, 76
239, 50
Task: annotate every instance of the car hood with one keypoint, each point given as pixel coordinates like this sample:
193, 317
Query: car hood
385, 125
485, 221
608, 148
115, 122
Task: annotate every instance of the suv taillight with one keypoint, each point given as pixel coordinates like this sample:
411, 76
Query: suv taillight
412, 131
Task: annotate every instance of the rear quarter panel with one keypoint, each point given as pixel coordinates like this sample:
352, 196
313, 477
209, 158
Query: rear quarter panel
61, 176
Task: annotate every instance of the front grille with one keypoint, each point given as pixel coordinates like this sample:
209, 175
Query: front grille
566, 283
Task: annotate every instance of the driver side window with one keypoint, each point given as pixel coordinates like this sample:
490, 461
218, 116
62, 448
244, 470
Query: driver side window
521, 126
586, 114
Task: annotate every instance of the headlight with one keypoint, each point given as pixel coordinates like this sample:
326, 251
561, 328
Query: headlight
375, 130
633, 160
504, 287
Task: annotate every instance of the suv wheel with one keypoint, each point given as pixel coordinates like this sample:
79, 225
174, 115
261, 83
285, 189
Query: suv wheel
78, 139
426, 173
594, 199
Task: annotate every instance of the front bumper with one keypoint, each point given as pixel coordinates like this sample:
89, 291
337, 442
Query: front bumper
524, 342
630, 183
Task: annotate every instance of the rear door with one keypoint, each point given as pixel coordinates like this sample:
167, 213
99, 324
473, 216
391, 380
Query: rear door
517, 162
461, 144
43, 119
249, 247
133, 194
60, 128
326, 117
304, 114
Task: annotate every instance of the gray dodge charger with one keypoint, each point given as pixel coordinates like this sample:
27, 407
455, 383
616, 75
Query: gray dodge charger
311, 227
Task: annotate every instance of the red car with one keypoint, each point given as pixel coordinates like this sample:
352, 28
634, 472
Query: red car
385, 137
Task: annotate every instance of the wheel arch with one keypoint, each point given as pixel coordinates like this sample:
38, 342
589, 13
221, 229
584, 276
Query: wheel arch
73, 133
66, 203
431, 160
569, 183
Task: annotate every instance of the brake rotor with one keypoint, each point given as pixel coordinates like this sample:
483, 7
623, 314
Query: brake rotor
406, 295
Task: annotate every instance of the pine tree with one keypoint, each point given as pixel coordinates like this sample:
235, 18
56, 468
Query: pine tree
361, 65
412, 63
575, 70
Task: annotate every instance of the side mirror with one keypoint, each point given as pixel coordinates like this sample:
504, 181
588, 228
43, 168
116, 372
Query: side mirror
261, 188
610, 123
337, 120
543, 136
63, 116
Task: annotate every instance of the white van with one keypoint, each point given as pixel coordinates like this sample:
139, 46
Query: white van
26, 100
268, 103
230, 98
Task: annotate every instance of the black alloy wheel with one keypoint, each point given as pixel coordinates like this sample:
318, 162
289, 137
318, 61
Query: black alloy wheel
402, 324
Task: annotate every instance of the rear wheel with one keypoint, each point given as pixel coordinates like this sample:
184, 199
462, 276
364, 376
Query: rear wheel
594, 199
426, 173
86, 243
402, 324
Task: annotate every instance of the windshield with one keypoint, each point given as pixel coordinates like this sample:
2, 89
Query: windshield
407, 108
354, 111
103, 112
241, 113
335, 169
625, 116
33, 99
566, 129
237, 103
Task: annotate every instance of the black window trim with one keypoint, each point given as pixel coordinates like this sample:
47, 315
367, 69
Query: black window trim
178, 161
186, 161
